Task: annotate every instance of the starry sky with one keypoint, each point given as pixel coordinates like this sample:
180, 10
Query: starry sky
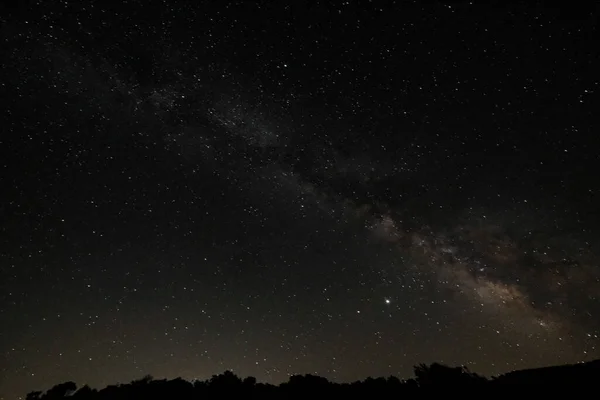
338, 188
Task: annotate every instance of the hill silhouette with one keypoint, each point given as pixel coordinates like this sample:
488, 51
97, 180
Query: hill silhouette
228, 384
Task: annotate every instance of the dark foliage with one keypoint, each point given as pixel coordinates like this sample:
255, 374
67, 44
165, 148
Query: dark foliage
229, 385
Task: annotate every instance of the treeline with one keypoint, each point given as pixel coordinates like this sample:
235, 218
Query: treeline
229, 385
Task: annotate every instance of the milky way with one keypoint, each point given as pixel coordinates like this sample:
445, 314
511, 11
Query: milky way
278, 190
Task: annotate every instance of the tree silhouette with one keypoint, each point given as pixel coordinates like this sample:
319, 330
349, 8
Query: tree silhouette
228, 385
441, 375
249, 381
227, 382
60, 391
35, 395
85, 392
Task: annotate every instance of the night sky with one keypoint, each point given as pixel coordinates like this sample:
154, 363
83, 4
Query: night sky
338, 188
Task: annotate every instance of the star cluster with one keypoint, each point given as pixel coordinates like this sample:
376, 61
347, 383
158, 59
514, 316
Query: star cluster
339, 188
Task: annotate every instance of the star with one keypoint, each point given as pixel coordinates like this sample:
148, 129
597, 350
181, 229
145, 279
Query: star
196, 188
